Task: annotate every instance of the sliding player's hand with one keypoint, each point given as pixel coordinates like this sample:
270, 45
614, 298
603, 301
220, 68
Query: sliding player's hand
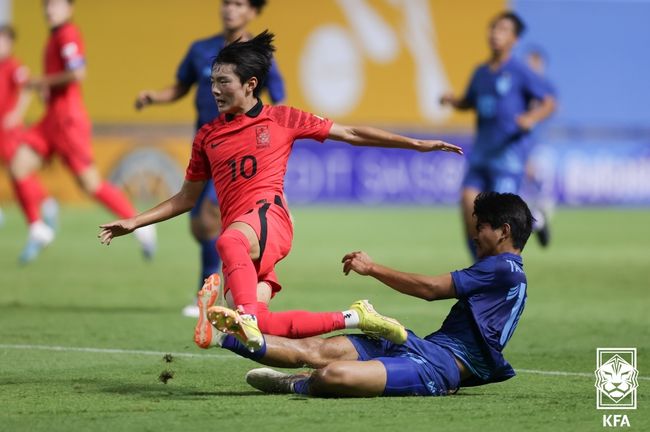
359, 262
437, 145
115, 229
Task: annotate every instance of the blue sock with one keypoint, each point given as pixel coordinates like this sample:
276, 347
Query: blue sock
210, 260
232, 344
472, 248
301, 387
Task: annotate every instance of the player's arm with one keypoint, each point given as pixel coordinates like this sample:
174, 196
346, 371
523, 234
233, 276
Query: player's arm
178, 204
538, 113
169, 94
58, 79
15, 117
372, 137
461, 104
425, 287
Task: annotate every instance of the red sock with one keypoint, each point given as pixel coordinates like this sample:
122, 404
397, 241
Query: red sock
238, 269
30, 194
115, 200
297, 324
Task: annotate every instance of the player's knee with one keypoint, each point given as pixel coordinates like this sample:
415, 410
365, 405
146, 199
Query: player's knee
334, 375
230, 241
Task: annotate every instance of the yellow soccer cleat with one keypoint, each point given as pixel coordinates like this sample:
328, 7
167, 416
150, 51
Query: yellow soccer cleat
374, 324
205, 336
243, 327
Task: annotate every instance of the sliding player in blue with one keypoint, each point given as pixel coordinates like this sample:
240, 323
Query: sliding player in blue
500, 91
465, 351
196, 68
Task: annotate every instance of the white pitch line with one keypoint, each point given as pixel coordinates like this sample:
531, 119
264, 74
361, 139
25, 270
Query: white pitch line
115, 351
231, 357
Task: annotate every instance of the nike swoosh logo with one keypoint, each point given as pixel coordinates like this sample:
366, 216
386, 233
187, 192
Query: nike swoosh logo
214, 145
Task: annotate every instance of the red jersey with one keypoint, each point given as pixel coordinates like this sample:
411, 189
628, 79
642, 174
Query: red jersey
246, 155
65, 51
12, 77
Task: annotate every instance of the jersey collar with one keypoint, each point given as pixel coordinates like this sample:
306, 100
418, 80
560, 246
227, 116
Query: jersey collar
252, 113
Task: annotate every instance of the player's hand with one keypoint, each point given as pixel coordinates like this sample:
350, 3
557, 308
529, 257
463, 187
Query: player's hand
11, 120
115, 229
525, 123
144, 98
359, 262
437, 145
448, 99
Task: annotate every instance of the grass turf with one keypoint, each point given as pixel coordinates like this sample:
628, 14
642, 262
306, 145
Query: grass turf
590, 289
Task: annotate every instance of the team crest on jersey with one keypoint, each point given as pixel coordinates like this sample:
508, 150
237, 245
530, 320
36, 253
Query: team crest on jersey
263, 136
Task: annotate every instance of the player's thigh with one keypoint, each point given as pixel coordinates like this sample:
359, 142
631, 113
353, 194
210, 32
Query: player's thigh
71, 138
25, 161
506, 182
350, 378
89, 179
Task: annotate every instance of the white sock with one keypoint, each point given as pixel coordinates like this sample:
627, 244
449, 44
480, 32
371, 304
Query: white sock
351, 318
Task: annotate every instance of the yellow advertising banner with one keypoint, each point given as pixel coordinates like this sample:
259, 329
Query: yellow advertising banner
363, 61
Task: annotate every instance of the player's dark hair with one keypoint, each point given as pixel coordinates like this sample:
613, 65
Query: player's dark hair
251, 58
497, 209
257, 5
517, 22
8, 30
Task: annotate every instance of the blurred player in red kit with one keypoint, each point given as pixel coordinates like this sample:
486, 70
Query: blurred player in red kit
65, 131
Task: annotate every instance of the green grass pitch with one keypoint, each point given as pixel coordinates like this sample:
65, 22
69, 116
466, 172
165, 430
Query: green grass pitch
590, 289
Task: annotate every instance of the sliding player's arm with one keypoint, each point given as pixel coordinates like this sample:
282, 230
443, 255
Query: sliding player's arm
372, 137
178, 204
425, 287
166, 95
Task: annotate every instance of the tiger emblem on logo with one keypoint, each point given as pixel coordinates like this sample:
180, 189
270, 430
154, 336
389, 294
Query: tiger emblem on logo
616, 378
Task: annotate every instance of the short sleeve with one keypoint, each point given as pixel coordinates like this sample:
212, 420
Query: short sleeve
275, 84
198, 168
72, 49
474, 279
535, 86
186, 72
307, 125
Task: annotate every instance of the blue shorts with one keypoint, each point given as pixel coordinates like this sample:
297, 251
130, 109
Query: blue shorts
416, 368
486, 180
208, 192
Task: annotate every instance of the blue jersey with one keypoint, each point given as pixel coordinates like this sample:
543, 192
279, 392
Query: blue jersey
196, 68
499, 97
491, 297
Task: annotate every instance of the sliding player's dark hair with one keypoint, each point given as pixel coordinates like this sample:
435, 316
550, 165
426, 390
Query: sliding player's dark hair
251, 58
497, 209
517, 22
8, 30
257, 4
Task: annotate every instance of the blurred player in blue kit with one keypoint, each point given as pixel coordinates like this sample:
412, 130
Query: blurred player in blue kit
196, 68
465, 351
500, 91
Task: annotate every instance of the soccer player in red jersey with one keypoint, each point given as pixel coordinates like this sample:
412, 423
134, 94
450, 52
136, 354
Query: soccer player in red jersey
65, 130
14, 97
245, 152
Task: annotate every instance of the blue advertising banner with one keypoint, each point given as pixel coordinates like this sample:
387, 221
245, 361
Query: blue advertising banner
571, 172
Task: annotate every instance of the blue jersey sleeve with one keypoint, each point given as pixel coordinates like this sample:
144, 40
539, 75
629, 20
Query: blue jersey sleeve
186, 72
474, 279
275, 84
535, 86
